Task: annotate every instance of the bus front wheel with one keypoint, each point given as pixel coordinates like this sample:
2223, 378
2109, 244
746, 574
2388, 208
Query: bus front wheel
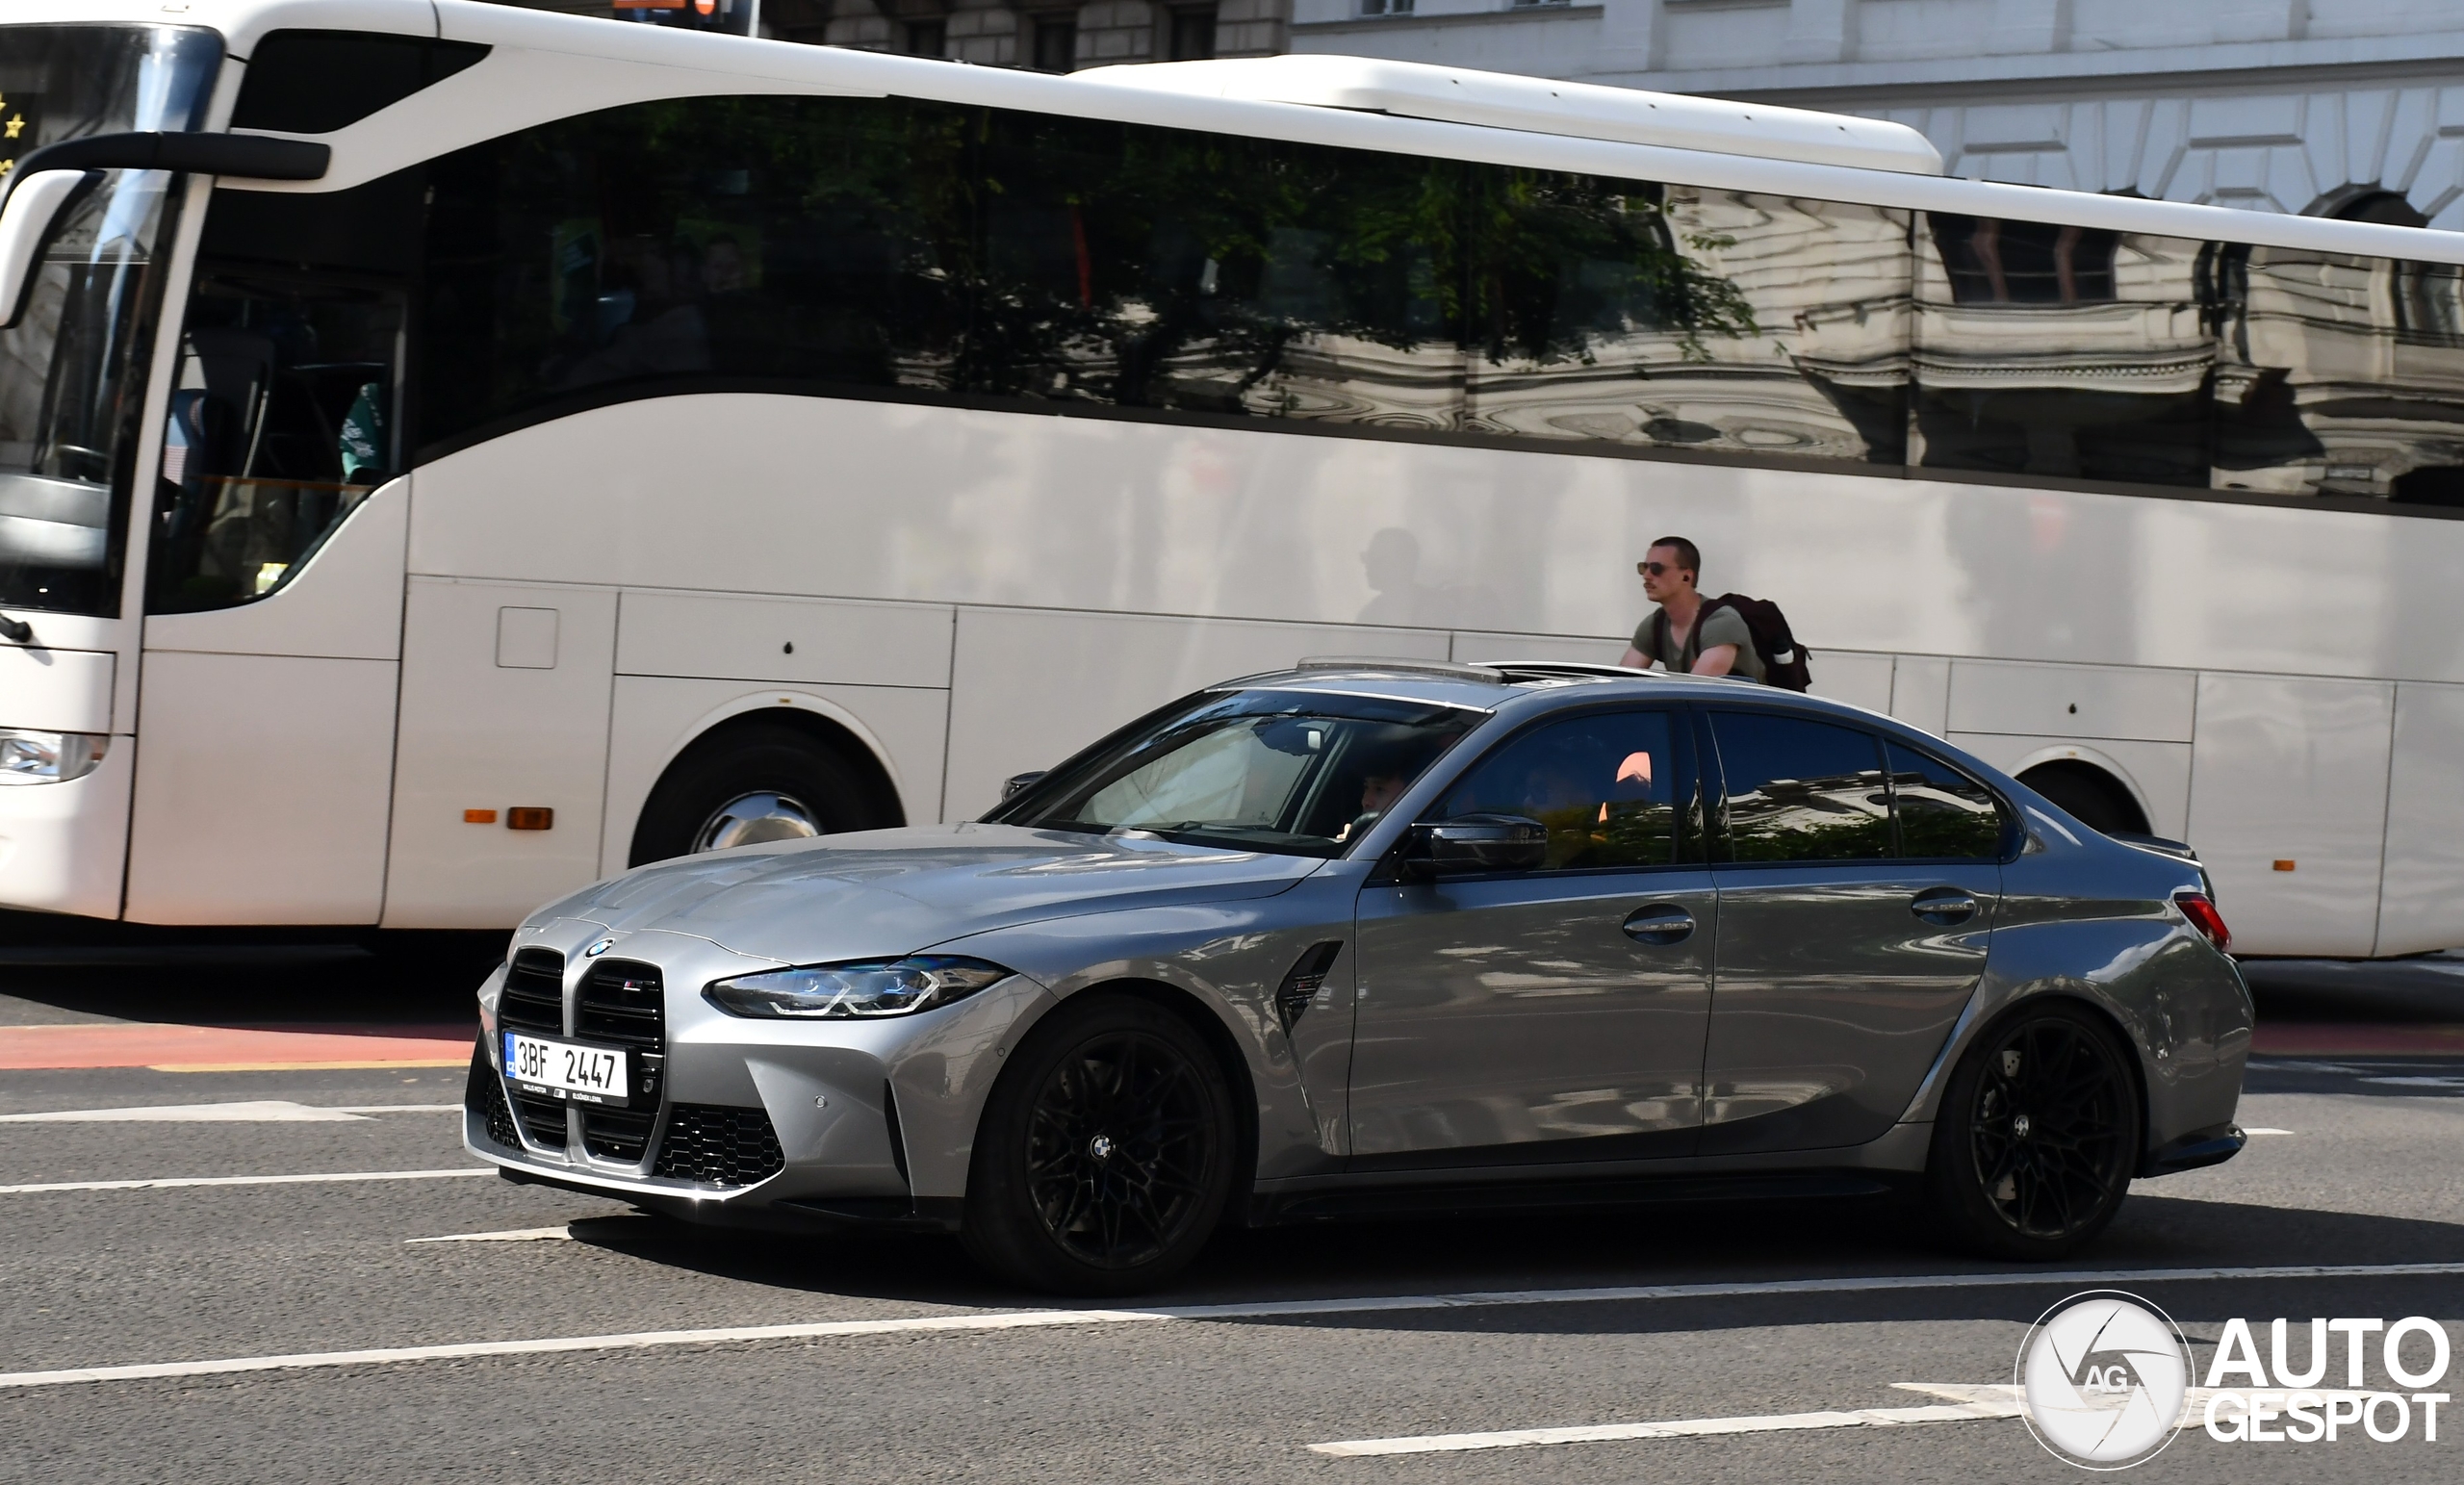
755, 784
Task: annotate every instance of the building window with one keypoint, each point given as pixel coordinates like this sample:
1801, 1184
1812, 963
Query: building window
928, 38
1056, 43
1993, 262
1385, 6
1524, 5
1192, 36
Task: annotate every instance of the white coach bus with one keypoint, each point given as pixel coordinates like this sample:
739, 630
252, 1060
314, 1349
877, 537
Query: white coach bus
450, 452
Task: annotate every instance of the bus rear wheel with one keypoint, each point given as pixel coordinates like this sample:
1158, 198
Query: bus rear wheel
753, 783
2094, 798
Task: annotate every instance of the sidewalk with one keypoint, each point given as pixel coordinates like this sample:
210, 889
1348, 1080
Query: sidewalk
174, 1048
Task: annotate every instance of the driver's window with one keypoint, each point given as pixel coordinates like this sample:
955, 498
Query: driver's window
284, 418
1610, 786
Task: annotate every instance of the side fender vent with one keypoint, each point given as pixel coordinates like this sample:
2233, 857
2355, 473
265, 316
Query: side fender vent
1301, 983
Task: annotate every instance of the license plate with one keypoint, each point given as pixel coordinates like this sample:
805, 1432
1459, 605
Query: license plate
566, 1069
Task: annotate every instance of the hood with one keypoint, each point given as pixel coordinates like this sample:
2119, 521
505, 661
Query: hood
893, 892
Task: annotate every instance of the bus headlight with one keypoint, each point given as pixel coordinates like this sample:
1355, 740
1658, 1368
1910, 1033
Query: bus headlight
866, 989
28, 757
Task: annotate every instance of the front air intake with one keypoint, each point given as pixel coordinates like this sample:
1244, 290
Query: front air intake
718, 1145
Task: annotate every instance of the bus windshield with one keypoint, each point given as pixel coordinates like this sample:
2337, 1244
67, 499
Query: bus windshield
72, 366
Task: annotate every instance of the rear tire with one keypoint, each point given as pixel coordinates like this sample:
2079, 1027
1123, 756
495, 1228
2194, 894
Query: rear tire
1105, 1159
2038, 1136
756, 760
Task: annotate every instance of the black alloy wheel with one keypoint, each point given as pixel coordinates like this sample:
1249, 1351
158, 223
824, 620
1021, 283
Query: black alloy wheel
2038, 1136
1104, 1162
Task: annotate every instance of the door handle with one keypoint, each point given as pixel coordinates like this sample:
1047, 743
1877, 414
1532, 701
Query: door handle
1661, 923
1945, 906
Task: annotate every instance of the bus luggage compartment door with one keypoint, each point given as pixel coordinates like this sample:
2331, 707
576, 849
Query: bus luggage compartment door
504, 708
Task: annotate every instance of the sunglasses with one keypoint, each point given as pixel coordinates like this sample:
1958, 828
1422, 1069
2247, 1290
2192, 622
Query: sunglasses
1654, 569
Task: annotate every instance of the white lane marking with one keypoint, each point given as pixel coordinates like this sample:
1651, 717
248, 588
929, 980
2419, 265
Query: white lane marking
1675, 1428
2418, 1082
262, 1110
1270, 1309
161, 1183
259, 1111
514, 1235
2267, 1131
1967, 1402
2194, 1401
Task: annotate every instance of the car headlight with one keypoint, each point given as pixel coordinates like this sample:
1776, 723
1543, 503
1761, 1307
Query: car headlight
29, 756
865, 988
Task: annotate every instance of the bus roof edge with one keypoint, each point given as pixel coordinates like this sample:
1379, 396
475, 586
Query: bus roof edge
1536, 104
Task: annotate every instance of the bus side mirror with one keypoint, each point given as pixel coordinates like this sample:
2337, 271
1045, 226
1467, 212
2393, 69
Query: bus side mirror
34, 205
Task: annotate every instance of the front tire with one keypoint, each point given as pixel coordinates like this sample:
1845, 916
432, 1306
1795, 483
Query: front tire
2038, 1136
1105, 1158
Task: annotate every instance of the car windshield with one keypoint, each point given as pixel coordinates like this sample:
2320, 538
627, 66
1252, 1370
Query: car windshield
1290, 772
73, 358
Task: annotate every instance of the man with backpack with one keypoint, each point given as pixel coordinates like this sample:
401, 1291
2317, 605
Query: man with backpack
1729, 636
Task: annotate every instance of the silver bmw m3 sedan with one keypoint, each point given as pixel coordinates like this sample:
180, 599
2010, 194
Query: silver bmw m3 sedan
1373, 936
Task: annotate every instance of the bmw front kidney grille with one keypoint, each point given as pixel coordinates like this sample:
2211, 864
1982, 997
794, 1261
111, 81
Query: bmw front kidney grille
533, 1001
622, 1003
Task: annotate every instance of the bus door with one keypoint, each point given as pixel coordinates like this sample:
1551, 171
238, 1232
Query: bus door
274, 593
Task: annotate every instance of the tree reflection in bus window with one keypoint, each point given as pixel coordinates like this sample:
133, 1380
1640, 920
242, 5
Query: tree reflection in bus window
1785, 334
1797, 790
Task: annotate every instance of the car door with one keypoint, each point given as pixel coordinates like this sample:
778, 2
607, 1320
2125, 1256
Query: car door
1555, 1013
1842, 961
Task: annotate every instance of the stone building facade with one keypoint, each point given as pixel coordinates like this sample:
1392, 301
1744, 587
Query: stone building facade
2330, 107
1055, 36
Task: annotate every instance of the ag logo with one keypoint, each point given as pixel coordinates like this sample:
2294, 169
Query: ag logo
2104, 1374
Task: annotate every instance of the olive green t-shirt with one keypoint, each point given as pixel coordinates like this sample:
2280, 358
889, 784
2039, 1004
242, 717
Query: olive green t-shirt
1716, 627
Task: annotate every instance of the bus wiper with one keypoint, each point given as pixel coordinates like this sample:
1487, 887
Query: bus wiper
17, 632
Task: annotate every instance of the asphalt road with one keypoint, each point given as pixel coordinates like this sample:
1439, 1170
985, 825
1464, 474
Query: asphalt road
2371, 1171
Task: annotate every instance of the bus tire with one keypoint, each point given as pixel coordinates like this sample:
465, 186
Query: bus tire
780, 781
1105, 1159
2088, 794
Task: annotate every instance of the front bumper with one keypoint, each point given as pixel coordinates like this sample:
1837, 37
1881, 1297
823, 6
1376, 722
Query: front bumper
738, 1121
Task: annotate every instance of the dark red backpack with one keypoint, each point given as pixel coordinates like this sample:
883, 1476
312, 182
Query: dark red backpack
1784, 659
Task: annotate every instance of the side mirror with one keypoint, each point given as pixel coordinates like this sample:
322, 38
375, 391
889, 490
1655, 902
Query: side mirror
1473, 844
1018, 782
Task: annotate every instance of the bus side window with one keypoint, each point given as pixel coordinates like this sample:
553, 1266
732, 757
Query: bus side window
2293, 326
282, 424
2060, 352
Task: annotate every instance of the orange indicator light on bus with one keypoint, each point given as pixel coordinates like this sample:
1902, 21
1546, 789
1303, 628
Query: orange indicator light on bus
478, 817
529, 817
2284, 867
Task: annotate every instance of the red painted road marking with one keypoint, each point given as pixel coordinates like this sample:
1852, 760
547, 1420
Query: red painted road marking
2332, 1038
149, 1045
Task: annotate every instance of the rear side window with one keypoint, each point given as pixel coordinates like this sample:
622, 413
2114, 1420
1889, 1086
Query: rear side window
1800, 790
1611, 787
1943, 813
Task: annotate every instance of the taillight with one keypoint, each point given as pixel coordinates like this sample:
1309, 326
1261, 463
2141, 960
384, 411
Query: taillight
2206, 920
